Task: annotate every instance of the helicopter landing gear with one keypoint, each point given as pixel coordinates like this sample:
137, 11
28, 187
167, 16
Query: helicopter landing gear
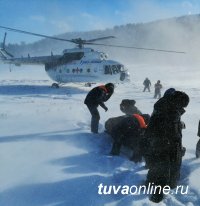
55, 85
88, 84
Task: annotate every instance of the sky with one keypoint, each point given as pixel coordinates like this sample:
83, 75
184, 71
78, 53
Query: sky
51, 17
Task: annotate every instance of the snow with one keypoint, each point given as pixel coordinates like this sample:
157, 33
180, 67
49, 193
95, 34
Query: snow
48, 157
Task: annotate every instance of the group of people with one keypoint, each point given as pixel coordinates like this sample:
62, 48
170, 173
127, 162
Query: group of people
157, 86
157, 139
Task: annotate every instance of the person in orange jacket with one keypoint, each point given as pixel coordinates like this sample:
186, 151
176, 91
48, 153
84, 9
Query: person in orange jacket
130, 132
97, 96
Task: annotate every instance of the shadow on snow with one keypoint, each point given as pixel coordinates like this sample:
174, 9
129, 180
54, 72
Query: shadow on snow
92, 168
38, 90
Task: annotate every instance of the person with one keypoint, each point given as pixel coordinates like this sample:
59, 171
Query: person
147, 84
146, 141
127, 106
198, 143
97, 96
165, 150
158, 87
129, 132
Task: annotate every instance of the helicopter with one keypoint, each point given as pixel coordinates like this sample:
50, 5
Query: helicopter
78, 64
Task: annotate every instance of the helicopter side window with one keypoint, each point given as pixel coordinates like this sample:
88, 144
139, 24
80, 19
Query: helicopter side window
107, 69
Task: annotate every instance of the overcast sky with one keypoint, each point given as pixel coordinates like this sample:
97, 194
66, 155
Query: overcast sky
53, 17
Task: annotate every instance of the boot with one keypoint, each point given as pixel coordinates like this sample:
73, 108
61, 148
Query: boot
115, 149
156, 197
183, 150
136, 158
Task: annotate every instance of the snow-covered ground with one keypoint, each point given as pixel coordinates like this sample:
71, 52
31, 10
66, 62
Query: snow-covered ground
48, 157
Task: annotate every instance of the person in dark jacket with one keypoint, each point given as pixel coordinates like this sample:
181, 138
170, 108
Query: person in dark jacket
127, 106
147, 84
97, 96
129, 132
198, 143
164, 133
158, 87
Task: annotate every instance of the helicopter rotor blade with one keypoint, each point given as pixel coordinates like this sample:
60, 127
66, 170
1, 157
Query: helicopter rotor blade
102, 38
76, 41
81, 42
35, 34
139, 48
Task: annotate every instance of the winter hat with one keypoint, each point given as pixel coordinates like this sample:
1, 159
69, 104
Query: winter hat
128, 102
169, 92
127, 106
180, 99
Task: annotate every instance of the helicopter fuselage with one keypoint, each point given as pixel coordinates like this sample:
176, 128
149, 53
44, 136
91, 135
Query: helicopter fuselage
86, 65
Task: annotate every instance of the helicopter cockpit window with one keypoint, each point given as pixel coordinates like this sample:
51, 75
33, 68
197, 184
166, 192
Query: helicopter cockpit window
103, 56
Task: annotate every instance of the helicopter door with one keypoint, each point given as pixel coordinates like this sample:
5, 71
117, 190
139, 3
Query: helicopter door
59, 75
58, 78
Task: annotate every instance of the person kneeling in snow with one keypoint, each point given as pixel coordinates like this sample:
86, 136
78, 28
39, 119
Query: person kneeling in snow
127, 106
129, 132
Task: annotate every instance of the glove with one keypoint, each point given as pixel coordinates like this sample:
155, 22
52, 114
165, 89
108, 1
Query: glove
106, 109
182, 125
